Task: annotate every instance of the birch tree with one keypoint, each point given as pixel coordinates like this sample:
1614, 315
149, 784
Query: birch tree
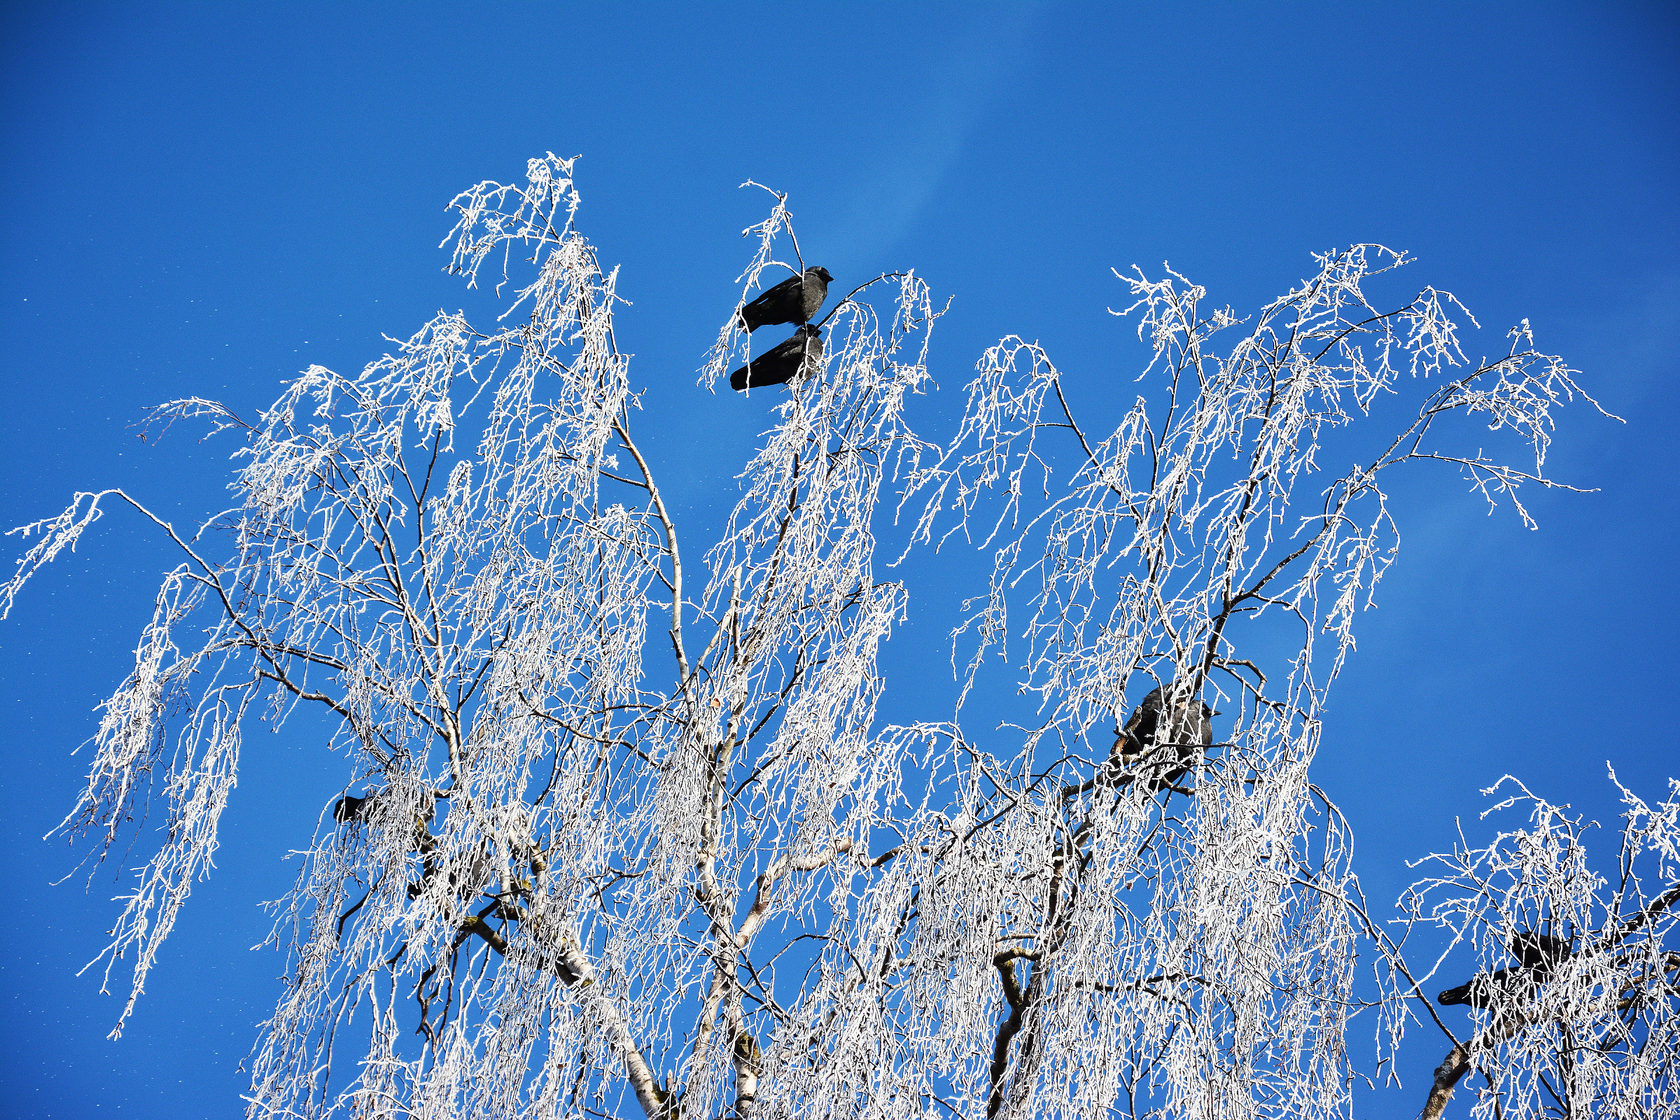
624, 830
1580, 1016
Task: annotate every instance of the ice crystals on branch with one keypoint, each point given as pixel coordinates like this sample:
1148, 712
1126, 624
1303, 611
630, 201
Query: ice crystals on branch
1582, 1016
629, 832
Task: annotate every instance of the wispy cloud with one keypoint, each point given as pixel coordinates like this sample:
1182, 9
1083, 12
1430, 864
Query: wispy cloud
935, 121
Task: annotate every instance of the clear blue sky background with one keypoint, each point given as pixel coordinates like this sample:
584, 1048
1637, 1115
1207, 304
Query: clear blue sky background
202, 199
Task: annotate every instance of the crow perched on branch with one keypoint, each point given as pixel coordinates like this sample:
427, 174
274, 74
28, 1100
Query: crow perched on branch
794, 300
796, 357
1539, 951
349, 808
1168, 738
1486, 988
1538, 954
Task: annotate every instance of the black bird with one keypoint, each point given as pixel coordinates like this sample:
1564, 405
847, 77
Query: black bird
349, 808
1538, 953
783, 362
1175, 736
1487, 988
794, 300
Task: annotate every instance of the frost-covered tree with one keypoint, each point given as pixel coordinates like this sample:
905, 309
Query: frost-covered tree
624, 831
1582, 1016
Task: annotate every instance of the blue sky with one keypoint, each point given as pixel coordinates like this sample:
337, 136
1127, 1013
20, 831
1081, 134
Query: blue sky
202, 199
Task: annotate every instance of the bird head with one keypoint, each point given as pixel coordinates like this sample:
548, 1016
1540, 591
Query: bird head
823, 272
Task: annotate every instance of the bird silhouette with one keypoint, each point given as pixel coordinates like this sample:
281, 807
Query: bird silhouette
1485, 988
794, 300
795, 357
1161, 743
350, 808
1538, 954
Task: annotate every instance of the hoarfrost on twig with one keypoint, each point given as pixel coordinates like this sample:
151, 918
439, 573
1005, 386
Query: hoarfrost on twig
626, 823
